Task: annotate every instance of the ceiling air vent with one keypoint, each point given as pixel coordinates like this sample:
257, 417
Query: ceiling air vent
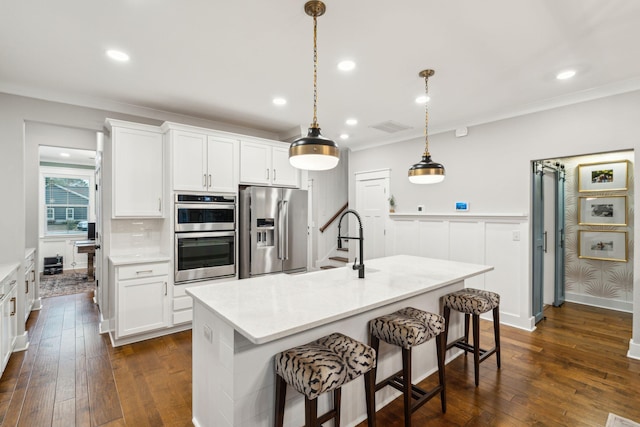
390, 126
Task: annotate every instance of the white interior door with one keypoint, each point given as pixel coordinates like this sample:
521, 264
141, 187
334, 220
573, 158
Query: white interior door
372, 192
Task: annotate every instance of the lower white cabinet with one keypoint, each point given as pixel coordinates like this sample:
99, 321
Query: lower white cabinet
143, 298
9, 315
29, 283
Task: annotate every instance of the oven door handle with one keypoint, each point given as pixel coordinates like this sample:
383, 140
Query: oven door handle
204, 234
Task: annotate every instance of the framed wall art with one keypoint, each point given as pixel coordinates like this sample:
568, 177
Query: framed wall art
604, 176
602, 245
611, 210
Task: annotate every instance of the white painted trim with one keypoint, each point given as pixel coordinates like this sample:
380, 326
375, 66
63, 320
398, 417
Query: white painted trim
37, 305
372, 174
626, 306
460, 216
22, 342
634, 350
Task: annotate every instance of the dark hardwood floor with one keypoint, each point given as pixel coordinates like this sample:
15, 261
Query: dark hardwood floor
571, 371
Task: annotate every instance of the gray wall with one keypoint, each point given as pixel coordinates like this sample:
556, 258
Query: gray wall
490, 168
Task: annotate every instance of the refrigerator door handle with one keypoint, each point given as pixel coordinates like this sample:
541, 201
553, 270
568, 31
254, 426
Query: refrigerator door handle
280, 242
285, 209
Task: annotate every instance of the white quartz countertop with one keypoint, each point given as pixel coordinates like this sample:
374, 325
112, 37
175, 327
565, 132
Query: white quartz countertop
270, 307
138, 259
7, 269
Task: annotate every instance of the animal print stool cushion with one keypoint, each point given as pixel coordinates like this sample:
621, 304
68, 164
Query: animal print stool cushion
325, 364
471, 301
407, 327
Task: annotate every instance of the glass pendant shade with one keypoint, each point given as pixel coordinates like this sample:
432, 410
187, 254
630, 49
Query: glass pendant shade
426, 171
314, 152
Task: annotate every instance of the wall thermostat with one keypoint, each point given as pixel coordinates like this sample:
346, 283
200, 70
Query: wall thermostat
462, 206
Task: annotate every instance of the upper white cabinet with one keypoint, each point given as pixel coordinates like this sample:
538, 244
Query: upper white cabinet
203, 161
137, 156
267, 163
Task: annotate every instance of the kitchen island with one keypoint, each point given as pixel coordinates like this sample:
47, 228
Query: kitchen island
239, 326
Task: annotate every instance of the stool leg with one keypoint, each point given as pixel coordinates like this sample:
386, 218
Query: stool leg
446, 314
406, 382
310, 412
337, 396
496, 332
441, 348
476, 347
281, 392
466, 329
370, 396
374, 343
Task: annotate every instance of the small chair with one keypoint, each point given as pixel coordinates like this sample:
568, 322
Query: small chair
474, 302
407, 328
321, 366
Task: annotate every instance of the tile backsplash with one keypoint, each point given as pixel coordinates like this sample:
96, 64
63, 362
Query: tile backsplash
138, 237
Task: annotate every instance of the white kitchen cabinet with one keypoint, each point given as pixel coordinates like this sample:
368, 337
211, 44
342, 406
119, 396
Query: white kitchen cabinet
203, 161
29, 282
137, 157
143, 298
267, 163
8, 315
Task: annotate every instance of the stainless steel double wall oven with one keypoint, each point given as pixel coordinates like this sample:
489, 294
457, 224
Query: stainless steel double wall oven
205, 237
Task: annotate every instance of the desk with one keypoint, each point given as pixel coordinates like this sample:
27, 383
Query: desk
87, 247
240, 325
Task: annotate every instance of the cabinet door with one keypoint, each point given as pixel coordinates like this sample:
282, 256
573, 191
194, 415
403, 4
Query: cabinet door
5, 330
13, 318
222, 155
137, 173
142, 305
283, 173
255, 163
189, 157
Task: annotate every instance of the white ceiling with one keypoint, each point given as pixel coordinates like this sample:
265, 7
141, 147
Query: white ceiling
226, 60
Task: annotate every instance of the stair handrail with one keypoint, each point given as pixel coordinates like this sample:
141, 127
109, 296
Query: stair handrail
334, 217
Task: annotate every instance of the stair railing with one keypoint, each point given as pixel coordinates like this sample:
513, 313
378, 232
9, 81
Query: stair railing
334, 217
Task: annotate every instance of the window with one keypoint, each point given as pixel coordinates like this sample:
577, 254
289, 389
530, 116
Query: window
66, 200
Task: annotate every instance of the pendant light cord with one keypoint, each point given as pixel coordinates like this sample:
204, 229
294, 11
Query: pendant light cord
315, 72
426, 117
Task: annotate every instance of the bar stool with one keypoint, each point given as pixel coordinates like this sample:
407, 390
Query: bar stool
321, 366
474, 302
407, 328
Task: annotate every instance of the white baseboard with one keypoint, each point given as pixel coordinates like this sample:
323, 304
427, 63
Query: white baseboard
528, 324
634, 350
22, 342
37, 305
611, 304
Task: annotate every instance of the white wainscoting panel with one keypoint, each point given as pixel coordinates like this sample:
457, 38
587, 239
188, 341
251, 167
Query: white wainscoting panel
501, 241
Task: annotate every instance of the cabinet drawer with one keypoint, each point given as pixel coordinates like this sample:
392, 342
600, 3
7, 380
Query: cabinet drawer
181, 303
182, 317
137, 271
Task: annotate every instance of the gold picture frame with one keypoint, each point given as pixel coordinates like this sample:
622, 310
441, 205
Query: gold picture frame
603, 245
602, 210
603, 176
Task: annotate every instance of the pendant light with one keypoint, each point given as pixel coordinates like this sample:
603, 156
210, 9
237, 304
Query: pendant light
426, 171
314, 151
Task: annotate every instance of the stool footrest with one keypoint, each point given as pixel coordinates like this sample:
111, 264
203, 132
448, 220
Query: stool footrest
468, 348
421, 396
327, 416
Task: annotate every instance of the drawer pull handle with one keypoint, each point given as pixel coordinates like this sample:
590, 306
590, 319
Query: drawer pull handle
144, 272
165, 289
26, 286
13, 300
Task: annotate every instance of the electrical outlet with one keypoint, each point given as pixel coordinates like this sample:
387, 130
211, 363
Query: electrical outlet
516, 236
208, 333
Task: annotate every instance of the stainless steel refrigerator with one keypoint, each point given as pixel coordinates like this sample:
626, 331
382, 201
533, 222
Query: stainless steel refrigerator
272, 231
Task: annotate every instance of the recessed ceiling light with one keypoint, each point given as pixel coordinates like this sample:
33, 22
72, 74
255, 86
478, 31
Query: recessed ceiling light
65, 155
422, 99
279, 101
564, 75
117, 55
344, 136
346, 65
352, 122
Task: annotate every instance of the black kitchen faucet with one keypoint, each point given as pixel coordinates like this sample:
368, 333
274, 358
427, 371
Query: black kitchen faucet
359, 267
